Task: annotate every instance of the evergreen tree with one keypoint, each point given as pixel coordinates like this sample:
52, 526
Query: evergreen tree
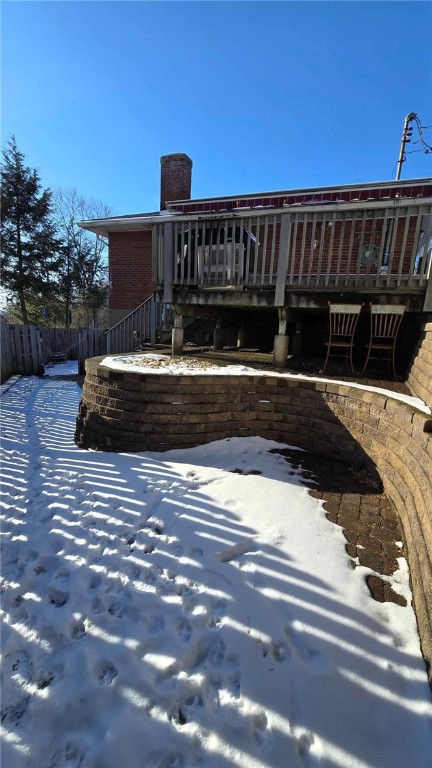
30, 246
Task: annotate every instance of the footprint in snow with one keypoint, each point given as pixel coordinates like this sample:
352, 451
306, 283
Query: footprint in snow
177, 718
184, 630
155, 624
18, 615
217, 614
196, 552
15, 670
233, 684
193, 702
151, 577
77, 629
157, 525
207, 652
185, 589
97, 605
95, 581
57, 597
260, 731
304, 741
46, 516
134, 572
311, 657
117, 608
48, 676
71, 755
105, 672
177, 550
162, 759
216, 652
215, 623
281, 652
62, 577
189, 605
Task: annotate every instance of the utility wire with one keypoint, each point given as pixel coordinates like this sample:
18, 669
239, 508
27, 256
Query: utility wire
427, 147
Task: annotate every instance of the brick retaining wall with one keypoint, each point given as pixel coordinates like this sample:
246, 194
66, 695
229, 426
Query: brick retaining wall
123, 411
420, 374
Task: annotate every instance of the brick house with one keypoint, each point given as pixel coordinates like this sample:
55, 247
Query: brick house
265, 265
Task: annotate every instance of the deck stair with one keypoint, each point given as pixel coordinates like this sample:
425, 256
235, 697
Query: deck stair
150, 323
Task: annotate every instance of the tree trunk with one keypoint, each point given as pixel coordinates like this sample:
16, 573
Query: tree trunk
21, 297
67, 307
23, 306
68, 289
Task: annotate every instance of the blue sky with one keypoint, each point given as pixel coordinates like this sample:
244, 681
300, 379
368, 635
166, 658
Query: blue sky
262, 96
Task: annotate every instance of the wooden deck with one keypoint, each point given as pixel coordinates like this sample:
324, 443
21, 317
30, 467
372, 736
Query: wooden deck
297, 256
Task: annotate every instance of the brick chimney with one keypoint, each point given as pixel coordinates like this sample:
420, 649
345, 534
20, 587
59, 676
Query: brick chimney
176, 178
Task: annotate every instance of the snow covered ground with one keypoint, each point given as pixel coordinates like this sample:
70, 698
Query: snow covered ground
179, 609
68, 368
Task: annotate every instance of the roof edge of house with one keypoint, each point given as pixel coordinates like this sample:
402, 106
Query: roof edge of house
304, 190
144, 220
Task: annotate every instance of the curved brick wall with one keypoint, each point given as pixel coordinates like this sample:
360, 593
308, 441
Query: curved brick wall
420, 375
136, 412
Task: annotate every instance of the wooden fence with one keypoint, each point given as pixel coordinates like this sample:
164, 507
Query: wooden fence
25, 349
7, 358
91, 343
58, 340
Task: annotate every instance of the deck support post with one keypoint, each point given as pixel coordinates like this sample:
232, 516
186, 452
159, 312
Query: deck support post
428, 297
217, 335
177, 336
283, 257
153, 321
168, 259
241, 336
281, 340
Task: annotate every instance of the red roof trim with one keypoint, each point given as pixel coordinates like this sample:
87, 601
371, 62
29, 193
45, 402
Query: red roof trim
313, 198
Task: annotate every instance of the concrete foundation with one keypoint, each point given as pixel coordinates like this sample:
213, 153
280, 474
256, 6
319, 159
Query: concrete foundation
241, 337
177, 339
280, 351
217, 338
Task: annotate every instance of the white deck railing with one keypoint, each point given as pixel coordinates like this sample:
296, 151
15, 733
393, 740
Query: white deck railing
370, 245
